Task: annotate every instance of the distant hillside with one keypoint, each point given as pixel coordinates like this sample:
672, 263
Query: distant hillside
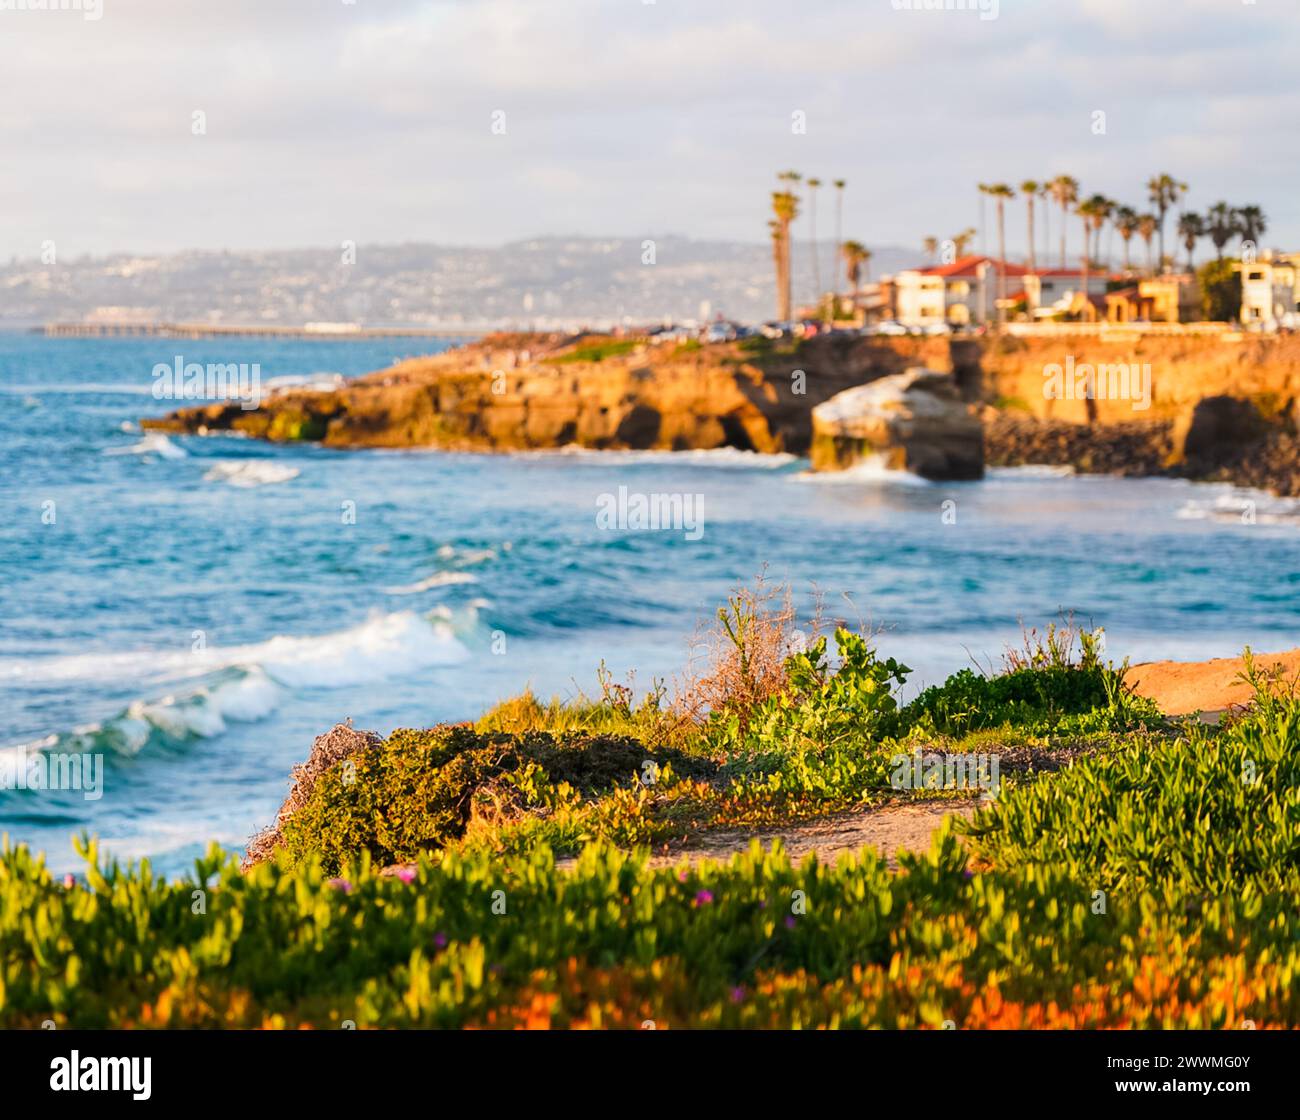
546, 282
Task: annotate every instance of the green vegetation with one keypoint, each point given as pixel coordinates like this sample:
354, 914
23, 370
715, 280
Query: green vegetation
1152, 882
1220, 291
596, 350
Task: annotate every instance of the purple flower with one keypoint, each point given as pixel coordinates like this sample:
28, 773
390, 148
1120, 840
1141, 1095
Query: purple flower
789, 921
342, 885
969, 873
703, 898
440, 939
406, 874
737, 994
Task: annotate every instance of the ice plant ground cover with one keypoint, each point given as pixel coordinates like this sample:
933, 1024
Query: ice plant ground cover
1152, 881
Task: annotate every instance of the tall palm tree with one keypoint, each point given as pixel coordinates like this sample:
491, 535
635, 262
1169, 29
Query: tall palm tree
813, 184
785, 205
1253, 223
962, 241
839, 185
1163, 191
1000, 192
1190, 227
1065, 192
855, 255
1147, 226
1030, 188
1099, 209
984, 236
1126, 222
1087, 212
1222, 222
1045, 196
930, 245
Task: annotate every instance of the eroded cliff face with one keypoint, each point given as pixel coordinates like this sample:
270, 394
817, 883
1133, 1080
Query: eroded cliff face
1195, 407
526, 392
1182, 372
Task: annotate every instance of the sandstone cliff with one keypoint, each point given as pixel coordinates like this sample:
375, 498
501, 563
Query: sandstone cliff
519, 392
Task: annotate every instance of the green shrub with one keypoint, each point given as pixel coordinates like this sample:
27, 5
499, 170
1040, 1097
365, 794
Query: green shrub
418, 790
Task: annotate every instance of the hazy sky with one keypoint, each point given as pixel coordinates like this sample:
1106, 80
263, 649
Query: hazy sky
372, 121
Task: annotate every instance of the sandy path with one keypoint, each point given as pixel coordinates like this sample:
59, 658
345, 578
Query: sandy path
1182, 687
891, 829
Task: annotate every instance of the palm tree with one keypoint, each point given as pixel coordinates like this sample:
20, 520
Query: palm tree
984, 238
1098, 210
930, 245
1126, 222
813, 184
1000, 192
962, 241
839, 185
1045, 195
1221, 223
1253, 223
1190, 227
855, 255
1030, 188
1164, 191
1147, 226
1065, 192
785, 205
1087, 213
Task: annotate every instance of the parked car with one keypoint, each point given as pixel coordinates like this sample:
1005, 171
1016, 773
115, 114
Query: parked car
774, 329
938, 329
891, 327
718, 332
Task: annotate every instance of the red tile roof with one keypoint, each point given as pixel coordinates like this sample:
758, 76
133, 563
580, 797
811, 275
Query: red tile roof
967, 266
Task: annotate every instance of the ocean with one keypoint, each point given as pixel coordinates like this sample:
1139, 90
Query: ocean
194, 610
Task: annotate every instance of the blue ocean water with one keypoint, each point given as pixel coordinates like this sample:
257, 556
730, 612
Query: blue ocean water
196, 609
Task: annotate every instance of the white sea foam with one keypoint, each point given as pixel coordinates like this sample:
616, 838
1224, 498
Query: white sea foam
247, 473
438, 579
872, 469
467, 557
707, 457
1238, 506
153, 443
238, 683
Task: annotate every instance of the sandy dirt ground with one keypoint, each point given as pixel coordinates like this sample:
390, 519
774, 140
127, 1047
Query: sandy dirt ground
890, 829
1182, 687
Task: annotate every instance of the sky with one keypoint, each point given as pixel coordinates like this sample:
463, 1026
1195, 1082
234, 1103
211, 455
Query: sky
479, 122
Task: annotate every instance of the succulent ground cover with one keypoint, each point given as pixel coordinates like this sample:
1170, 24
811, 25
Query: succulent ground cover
1122, 870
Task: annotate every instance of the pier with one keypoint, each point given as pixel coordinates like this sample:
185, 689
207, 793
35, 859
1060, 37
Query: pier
333, 332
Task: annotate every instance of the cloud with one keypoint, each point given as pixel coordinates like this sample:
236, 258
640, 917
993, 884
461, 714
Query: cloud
372, 120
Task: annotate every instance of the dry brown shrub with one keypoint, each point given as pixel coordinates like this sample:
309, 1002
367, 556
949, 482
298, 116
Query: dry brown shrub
332, 747
739, 661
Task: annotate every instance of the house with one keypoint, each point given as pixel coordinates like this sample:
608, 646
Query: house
962, 292
966, 291
1050, 291
1157, 299
1270, 287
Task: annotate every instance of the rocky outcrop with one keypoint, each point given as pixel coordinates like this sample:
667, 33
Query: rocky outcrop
914, 421
529, 392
